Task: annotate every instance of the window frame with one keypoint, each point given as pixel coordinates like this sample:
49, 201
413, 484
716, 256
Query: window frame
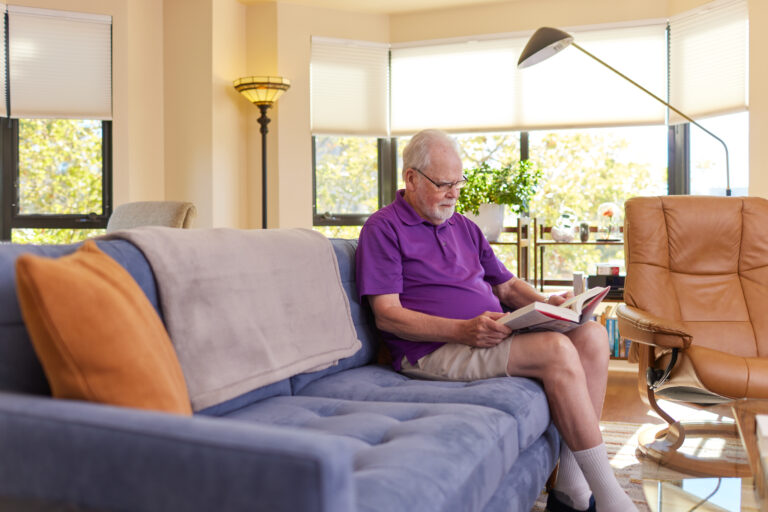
10, 218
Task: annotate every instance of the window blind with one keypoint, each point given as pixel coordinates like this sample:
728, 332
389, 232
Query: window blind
572, 90
475, 85
709, 59
349, 87
459, 86
60, 64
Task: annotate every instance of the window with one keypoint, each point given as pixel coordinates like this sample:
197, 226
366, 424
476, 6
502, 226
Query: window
346, 183
584, 168
56, 143
616, 144
59, 184
707, 158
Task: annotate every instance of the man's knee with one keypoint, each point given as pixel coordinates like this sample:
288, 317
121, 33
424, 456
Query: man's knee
591, 336
560, 349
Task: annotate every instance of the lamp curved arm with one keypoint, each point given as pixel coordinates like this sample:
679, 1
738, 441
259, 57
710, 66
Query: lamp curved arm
681, 114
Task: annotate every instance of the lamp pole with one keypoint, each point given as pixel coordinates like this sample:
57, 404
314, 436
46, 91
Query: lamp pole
263, 121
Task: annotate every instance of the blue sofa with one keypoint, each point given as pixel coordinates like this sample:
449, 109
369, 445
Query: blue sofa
353, 437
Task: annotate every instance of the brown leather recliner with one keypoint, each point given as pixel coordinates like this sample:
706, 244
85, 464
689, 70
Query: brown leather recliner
696, 295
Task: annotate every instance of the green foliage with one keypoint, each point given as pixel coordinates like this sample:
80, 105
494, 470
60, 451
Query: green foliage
52, 236
60, 168
349, 232
508, 184
346, 174
581, 170
60, 172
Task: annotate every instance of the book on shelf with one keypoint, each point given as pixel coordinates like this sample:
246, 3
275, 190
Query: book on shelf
542, 316
761, 434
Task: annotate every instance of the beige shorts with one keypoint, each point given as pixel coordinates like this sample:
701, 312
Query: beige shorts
454, 361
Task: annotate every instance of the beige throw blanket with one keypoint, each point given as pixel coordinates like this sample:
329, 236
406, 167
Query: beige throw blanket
247, 308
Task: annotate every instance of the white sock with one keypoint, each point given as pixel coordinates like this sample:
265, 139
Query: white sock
609, 496
571, 486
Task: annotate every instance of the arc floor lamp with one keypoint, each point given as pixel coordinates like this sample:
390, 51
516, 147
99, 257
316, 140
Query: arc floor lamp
548, 41
263, 91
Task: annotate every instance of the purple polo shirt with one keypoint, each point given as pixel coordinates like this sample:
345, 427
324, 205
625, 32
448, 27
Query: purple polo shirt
446, 270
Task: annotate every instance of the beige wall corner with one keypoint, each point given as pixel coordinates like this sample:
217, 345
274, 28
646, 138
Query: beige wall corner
188, 31
139, 144
230, 110
758, 99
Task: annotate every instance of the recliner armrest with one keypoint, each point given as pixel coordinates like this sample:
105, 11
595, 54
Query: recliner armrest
98, 457
643, 327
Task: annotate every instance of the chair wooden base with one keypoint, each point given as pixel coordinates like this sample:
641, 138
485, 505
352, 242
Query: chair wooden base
662, 446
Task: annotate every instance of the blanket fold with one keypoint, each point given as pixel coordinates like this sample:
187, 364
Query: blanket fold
247, 308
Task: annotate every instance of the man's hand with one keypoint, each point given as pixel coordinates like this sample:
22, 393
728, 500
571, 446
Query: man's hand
559, 298
483, 331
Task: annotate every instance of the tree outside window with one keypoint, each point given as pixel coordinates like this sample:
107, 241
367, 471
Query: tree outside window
60, 172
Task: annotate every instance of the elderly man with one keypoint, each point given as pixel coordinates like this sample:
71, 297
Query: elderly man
436, 289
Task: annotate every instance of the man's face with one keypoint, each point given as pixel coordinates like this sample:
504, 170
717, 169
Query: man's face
434, 204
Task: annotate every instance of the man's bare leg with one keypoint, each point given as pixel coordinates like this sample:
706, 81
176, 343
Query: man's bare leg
553, 359
573, 370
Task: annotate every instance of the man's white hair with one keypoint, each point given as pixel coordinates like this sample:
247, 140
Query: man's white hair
416, 154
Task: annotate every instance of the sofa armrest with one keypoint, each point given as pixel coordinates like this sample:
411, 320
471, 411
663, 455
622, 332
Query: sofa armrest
643, 327
98, 457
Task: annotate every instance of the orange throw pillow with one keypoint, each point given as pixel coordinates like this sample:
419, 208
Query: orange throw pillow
96, 334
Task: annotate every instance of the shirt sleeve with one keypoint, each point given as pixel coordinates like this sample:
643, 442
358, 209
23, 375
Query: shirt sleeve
379, 263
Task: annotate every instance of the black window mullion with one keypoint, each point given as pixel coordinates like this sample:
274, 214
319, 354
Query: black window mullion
524, 146
679, 159
6, 180
314, 179
387, 170
106, 170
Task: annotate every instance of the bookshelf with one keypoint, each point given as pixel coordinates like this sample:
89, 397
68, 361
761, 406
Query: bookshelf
541, 243
606, 315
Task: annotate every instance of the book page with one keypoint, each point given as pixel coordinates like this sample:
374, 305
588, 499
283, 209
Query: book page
576, 302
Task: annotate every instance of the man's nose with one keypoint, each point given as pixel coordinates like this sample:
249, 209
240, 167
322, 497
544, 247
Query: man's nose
453, 192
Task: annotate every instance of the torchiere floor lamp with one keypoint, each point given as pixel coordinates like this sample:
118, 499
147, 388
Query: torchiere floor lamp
262, 91
547, 41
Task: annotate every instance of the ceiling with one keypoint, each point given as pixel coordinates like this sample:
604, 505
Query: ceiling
382, 6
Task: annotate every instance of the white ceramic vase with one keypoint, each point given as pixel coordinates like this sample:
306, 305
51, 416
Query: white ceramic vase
490, 219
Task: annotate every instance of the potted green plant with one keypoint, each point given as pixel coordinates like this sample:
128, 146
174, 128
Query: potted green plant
489, 189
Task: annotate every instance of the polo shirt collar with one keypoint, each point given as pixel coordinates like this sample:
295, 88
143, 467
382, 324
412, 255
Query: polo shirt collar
408, 215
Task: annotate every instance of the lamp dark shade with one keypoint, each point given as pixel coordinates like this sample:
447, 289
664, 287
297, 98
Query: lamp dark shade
543, 44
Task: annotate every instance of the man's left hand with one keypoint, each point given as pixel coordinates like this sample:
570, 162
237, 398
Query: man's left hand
558, 298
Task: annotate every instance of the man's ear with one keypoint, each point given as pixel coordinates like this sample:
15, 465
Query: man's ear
409, 178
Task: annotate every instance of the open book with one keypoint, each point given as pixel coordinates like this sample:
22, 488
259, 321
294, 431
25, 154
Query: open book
540, 316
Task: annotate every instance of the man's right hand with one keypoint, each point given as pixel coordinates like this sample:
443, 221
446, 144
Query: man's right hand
483, 331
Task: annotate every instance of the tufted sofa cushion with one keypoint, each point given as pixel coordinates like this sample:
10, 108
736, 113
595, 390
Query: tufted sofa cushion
522, 398
409, 456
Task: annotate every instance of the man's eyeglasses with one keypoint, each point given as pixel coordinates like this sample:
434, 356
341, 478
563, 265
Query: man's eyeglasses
446, 186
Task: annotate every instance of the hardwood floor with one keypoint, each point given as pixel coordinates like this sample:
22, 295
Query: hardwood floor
622, 399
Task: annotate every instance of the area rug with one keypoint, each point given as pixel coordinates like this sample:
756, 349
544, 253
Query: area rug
621, 443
